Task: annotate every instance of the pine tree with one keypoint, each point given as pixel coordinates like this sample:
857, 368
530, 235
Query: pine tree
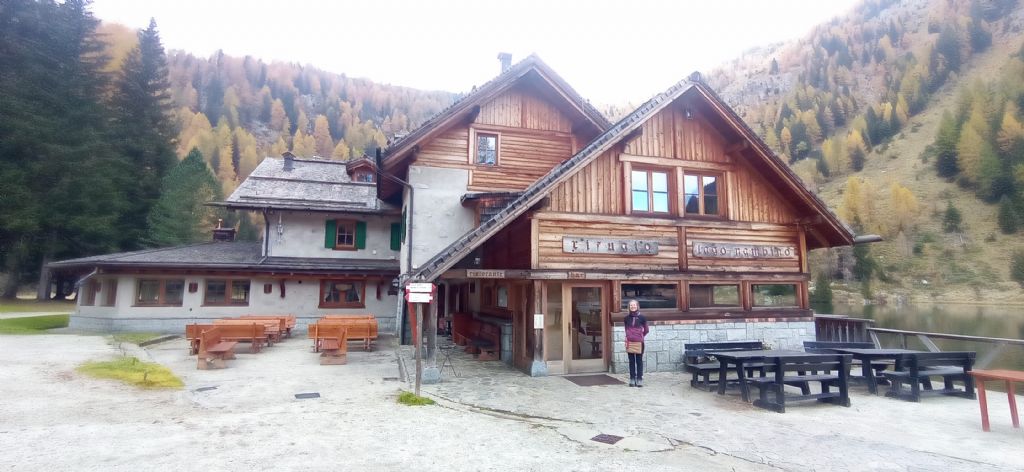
821, 297
951, 219
904, 207
1017, 267
946, 157
143, 108
1007, 216
774, 67
322, 137
181, 215
341, 151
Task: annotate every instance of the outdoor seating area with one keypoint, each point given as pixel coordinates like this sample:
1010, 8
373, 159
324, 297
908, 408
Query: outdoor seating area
361, 328
479, 337
258, 331
827, 367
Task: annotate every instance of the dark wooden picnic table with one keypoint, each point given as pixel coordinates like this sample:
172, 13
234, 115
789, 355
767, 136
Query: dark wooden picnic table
739, 358
867, 356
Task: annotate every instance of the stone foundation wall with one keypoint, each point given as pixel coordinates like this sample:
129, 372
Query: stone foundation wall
103, 324
666, 342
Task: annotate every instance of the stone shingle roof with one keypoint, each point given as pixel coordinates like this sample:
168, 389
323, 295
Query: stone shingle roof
311, 185
227, 256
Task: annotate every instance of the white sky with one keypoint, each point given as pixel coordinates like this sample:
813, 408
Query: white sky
609, 51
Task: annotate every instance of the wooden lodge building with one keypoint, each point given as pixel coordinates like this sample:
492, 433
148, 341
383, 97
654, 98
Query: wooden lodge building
521, 200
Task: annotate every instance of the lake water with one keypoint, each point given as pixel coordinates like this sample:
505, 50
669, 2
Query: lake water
973, 320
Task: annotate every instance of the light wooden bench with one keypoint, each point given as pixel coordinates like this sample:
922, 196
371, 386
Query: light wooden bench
287, 321
273, 327
213, 350
252, 333
360, 327
330, 340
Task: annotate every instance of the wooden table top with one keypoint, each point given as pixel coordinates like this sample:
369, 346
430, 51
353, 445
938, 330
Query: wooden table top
999, 374
756, 354
875, 352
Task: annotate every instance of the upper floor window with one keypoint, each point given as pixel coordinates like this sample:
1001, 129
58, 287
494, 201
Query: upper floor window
226, 292
649, 191
166, 292
701, 194
486, 149
347, 235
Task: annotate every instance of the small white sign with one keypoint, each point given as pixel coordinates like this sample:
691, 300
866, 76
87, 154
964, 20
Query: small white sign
420, 287
413, 297
538, 321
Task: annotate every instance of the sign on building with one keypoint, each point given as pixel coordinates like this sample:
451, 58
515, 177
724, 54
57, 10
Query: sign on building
599, 245
742, 251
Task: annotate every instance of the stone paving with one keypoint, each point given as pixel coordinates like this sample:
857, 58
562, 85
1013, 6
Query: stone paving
875, 433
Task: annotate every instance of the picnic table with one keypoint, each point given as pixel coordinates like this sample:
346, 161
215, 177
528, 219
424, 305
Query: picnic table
736, 359
867, 357
1008, 376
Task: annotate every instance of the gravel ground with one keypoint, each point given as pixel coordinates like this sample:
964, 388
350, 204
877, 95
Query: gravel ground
488, 418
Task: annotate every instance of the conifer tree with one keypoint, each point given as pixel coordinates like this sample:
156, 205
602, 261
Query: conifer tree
143, 108
946, 157
1007, 216
821, 298
951, 219
181, 215
322, 137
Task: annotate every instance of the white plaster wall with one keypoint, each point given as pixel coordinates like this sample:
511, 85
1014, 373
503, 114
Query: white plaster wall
298, 234
301, 299
439, 217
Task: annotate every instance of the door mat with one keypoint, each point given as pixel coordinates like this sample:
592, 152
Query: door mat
302, 396
592, 380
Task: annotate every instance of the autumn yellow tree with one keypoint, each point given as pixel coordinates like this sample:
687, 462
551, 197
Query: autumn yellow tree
279, 118
341, 151
303, 144
1011, 132
904, 207
279, 147
322, 136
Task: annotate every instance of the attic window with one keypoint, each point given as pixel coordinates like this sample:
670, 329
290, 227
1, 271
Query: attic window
701, 194
362, 176
486, 149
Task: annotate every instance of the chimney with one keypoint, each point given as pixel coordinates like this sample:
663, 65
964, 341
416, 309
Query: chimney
223, 234
506, 61
289, 161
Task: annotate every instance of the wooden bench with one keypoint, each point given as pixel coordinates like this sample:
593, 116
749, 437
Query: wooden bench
918, 368
331, 341
701, 365
826, 347
253, 333
801, 371
360, 327
287, 321
213, 350
272, 328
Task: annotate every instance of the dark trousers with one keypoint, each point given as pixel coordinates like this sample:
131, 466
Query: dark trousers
636, 363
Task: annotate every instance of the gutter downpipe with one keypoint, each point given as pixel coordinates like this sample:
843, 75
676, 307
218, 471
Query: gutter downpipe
266, 234
409, 229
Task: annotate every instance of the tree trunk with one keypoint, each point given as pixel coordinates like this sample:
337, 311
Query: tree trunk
43, 289
10, 291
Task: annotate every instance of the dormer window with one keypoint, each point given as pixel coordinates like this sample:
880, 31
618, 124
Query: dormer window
700, 194
486, 149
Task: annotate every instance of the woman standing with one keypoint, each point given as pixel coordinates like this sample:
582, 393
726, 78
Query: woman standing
636, 330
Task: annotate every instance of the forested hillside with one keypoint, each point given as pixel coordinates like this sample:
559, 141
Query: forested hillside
855, 106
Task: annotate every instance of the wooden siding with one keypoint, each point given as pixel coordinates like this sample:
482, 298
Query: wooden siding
783, 237
534, 136
669, 140
551, 256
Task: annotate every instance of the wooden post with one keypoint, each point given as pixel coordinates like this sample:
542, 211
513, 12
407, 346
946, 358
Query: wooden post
417, 328
538, 307
432, 334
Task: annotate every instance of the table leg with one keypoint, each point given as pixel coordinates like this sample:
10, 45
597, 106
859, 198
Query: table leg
869, 374
983, 404
742, 376
723, 373
1013, 403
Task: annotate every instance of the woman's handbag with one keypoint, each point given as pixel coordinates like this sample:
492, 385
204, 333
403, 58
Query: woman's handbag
634, 347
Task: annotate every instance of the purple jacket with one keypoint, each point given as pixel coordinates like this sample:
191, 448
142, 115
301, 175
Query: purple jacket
636, 327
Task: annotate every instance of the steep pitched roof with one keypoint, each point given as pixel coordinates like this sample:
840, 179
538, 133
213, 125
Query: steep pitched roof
227, 256
310, 185
533, 194
464, 106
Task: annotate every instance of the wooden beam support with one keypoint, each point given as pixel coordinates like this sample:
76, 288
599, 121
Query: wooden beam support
737, 147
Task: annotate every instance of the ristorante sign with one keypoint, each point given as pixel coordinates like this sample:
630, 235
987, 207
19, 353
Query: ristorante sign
742, 251
599, 245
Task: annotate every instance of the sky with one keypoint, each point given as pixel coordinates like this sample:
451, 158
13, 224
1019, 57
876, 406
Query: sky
611, 52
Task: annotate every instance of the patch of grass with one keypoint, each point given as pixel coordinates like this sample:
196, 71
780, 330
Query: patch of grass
29, 306
134, 338
411, 399
133, 372
33, 324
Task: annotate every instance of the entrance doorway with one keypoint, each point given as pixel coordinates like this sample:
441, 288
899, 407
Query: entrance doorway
576, 328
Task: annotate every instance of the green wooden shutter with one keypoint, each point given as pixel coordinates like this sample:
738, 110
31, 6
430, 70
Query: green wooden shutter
330, 234
396, 236
360, 235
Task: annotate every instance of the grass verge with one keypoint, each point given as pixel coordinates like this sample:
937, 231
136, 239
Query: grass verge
133, 372
33, 324
411, 399
29, 306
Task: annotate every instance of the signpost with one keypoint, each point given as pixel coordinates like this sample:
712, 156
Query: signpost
416, 294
